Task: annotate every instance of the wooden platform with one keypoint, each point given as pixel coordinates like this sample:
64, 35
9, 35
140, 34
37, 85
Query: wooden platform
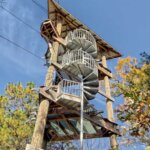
64, 124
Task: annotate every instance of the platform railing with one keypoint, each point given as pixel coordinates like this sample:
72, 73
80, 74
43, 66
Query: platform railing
69, 87
79, 56
81, 34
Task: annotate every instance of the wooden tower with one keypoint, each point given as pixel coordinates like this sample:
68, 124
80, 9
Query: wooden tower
73, 50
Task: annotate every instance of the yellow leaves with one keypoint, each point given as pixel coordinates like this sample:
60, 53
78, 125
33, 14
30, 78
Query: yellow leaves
124, 65
15, 107
3, 101
24, 131
147, 148
28, 90
133, 82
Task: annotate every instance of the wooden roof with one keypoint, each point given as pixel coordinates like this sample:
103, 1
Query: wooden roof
70, 23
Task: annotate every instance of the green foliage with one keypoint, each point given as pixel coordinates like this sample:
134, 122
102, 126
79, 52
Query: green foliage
133, 82
17, 118
16, 106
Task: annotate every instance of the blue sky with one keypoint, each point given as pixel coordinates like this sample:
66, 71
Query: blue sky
125, 24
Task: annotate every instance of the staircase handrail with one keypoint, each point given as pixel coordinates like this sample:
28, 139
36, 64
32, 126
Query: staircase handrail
81, 34
70, 87
79, 56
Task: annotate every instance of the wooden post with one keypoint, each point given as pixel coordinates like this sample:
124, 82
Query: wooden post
109, 105
55, 46
38, 135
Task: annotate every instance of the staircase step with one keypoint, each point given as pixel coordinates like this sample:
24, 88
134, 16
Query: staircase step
91, 49
91, 89
93, 54
90, 76
86, 45
88, 95
92, 83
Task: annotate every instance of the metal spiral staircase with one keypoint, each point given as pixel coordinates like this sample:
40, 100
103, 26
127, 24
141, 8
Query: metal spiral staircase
79, 61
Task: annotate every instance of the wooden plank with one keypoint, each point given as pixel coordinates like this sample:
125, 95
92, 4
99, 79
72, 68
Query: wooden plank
100, 122
60, 118
58, 66
77, 137
51, 96
104, 71
70, 125
62, 128
60, 40
106, 96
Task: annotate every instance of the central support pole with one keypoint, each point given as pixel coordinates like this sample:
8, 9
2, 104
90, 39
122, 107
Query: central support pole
82, 117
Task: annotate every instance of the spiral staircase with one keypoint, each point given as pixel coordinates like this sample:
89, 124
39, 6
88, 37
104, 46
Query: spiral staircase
79, 62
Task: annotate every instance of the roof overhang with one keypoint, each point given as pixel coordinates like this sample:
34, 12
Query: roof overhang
70, 23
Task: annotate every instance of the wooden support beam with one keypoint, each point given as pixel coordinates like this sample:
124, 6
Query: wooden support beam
95, 127
106, 96
105, 123
60, 40
109, 104
76, 137
100, 122
104, 71
51, 69
38, 135
70, 125
62, 128
49, 96
108, 93
56, 65
60, 118
53, 132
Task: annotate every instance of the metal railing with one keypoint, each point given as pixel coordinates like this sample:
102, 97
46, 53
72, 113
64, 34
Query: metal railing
81, 34
79, 57
69, 87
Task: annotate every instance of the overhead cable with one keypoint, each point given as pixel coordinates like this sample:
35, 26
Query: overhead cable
8, 11
40, 6
12, 42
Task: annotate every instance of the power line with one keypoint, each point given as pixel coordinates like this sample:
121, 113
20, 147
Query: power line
12, 42
2, 2
40, 6
20, 19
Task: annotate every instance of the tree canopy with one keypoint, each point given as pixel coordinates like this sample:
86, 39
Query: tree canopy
133, 82
16, 108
